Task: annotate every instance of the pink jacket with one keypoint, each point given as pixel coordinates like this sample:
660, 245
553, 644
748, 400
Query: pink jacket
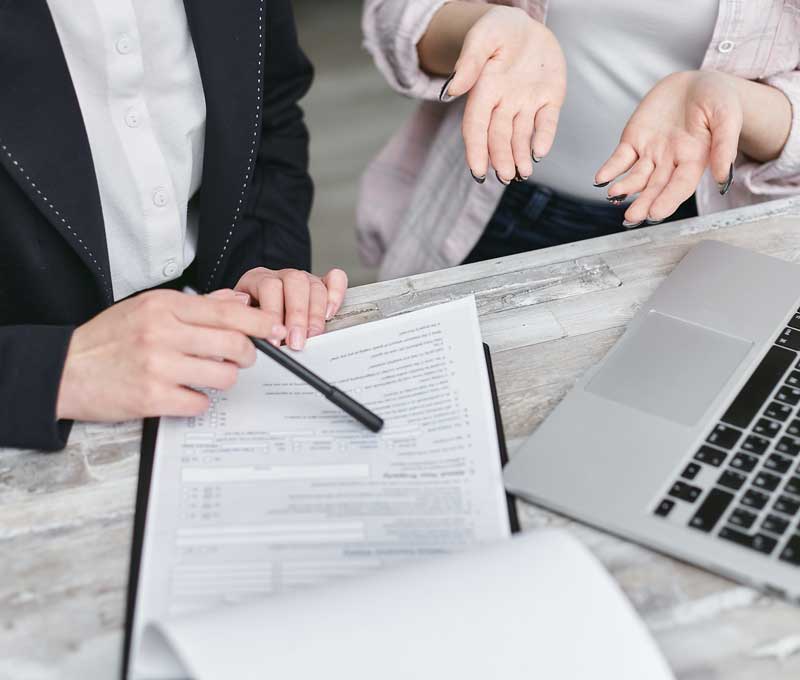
419, 209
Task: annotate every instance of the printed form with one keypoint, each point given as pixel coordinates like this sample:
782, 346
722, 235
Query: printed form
274, 488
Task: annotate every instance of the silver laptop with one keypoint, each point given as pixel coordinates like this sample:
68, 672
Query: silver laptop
686, 437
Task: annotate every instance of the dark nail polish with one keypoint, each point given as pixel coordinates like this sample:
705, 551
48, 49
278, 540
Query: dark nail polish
501, 180
617, 199
535, 158
650, 222
726, 186
632, 225
480, 179
600, 186
443, 96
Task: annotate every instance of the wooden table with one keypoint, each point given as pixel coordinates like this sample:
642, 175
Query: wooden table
65, 518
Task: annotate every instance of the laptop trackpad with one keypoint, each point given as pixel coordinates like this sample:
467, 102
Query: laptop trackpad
669, 368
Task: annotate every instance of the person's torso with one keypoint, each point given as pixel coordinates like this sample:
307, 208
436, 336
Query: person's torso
135, 73
616, 51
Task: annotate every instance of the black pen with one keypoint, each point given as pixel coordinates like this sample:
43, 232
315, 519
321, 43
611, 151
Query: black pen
345, 402
349, 405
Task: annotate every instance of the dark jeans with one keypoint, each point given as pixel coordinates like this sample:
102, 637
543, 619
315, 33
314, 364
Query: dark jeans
530, 217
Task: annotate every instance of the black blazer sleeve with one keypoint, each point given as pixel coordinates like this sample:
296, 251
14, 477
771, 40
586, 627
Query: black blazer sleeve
31, 363
273, 231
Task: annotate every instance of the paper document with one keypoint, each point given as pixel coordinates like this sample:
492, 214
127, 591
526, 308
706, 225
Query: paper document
276, 489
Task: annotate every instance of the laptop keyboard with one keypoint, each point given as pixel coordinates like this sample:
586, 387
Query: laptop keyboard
743, 483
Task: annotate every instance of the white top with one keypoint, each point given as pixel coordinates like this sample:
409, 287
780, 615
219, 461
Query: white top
606, 83
135, 73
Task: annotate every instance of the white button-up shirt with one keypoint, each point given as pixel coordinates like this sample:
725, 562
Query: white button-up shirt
135, 73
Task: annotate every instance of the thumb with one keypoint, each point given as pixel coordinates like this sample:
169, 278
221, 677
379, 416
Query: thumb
724, 149
475, 52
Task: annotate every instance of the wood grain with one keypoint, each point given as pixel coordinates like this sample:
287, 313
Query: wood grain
66, 518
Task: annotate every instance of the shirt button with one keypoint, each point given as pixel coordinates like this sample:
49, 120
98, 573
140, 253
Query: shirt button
726, 46
124, 44
170, 268
160, 198
132, 118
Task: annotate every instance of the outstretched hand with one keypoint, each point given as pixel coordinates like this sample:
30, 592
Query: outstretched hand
688, 122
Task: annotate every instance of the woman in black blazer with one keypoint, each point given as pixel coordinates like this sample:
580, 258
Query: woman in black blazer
67, 350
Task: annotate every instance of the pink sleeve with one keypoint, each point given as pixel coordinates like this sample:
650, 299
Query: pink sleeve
780, 177
392, 29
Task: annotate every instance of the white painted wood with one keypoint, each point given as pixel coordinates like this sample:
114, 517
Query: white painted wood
65, 518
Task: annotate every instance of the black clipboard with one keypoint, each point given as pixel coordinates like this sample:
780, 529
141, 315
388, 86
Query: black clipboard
148, 447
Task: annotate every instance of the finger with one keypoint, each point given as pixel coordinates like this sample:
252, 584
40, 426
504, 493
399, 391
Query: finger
545, 127
215, 343
296, 292
619, 163
639, 210
195, 372
475, 52
680, 188
270, 302
317, 303
336, 283
635, 181
475, 131
211, 313
521, 143
223, 294
500, 154
724, 149
178, 402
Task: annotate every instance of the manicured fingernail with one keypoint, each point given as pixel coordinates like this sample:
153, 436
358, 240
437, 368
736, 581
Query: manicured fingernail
330, 311
314, 331
480, 179
535, 158
244, 298
602, 184
443, 95
631, 225
650, 222
296, 338
501, 180
725, 187
617, 199
520, 178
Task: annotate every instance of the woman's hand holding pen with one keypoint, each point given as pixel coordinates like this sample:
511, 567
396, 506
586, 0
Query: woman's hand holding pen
144, 356
688, 122
514, 72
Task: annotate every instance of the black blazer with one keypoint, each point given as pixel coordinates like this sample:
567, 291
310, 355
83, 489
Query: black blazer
54, 273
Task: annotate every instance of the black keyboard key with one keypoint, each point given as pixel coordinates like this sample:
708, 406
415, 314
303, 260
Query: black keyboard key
777, 463
788, 395
793, 486
794, 428
744, 462
766, 481
725, 437
789, 338
791, 552
691, 470
775, 525
665, 507
755, 444
759, 386
760, 542
711, 456
794, 379
788, 445
786, 505
766, 427
778, 411
742, 518
754, 499
686, 492
731, 480
795, 320
711, 509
